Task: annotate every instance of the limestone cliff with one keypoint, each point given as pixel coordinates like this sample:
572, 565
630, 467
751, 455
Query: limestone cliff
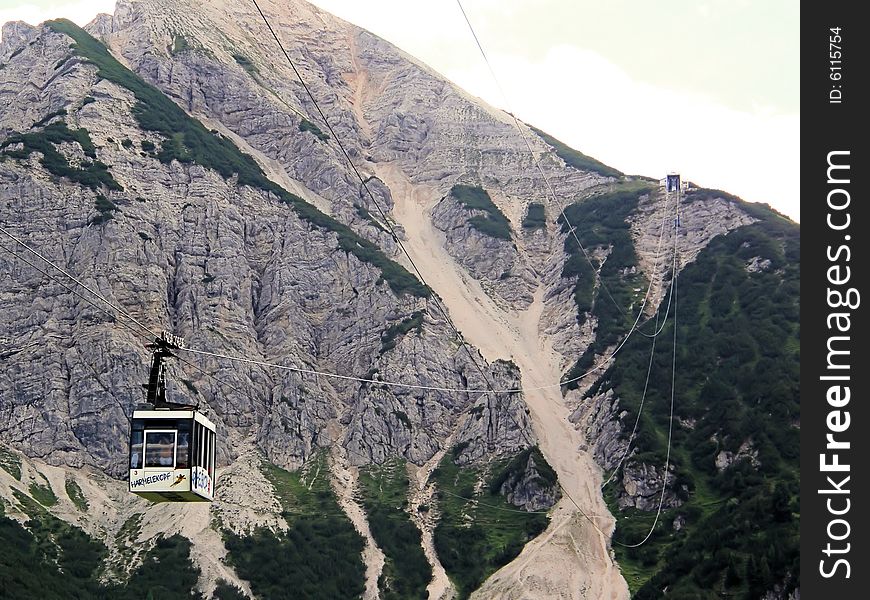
178, 168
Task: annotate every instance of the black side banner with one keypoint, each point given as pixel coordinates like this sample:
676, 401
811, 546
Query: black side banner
835, 420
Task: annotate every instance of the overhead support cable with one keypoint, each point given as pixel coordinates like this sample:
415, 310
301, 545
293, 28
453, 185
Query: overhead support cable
573, 232
387, 221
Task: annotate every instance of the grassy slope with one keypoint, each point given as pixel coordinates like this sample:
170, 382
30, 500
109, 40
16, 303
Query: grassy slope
10, 462
49, 559
536, 217
474, 538
188, 141
737, 378
406, 571
318, 557
494, 224
391, 335
576, 159
91, 173
600, 221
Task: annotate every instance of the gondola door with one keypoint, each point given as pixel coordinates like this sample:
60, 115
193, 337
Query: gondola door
202, 471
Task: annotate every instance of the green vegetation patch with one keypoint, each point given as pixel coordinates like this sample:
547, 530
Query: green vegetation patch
186, 140
600, 222
476, 537
92, 174
319, 556
11, 463
306, 125
362, 212
765, 212
759, 210
516, 468
390, 336
42, 493
49, 117
167, 573
227, 591
494, 224
536, 217
191, 387
179, 44
406, 572
737, 380
245, 62
126, 539
702, 194
75, 494
576, 159
47, 558
105, 208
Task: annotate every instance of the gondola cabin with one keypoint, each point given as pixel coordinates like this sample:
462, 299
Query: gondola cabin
172, 455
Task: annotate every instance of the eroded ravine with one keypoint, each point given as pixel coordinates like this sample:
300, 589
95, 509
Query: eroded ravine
345, 484
571, 559
423, 492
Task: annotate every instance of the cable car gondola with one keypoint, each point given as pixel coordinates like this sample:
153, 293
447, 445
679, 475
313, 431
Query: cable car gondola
172, 446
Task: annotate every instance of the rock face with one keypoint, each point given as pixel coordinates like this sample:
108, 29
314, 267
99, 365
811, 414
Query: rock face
602, 421
642, 488
494, 417
16, 34
495, 262
222, 264
725, 458
700, 222
529, 489
177, 244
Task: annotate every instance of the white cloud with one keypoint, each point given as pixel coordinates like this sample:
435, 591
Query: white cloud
578, 96
591, 104
78, 11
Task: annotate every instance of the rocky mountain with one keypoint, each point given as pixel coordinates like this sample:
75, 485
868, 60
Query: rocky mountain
170, 159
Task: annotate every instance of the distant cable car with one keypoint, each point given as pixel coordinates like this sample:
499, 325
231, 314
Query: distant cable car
672, 183
172, 446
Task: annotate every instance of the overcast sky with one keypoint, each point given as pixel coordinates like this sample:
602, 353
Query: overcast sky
709, 88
